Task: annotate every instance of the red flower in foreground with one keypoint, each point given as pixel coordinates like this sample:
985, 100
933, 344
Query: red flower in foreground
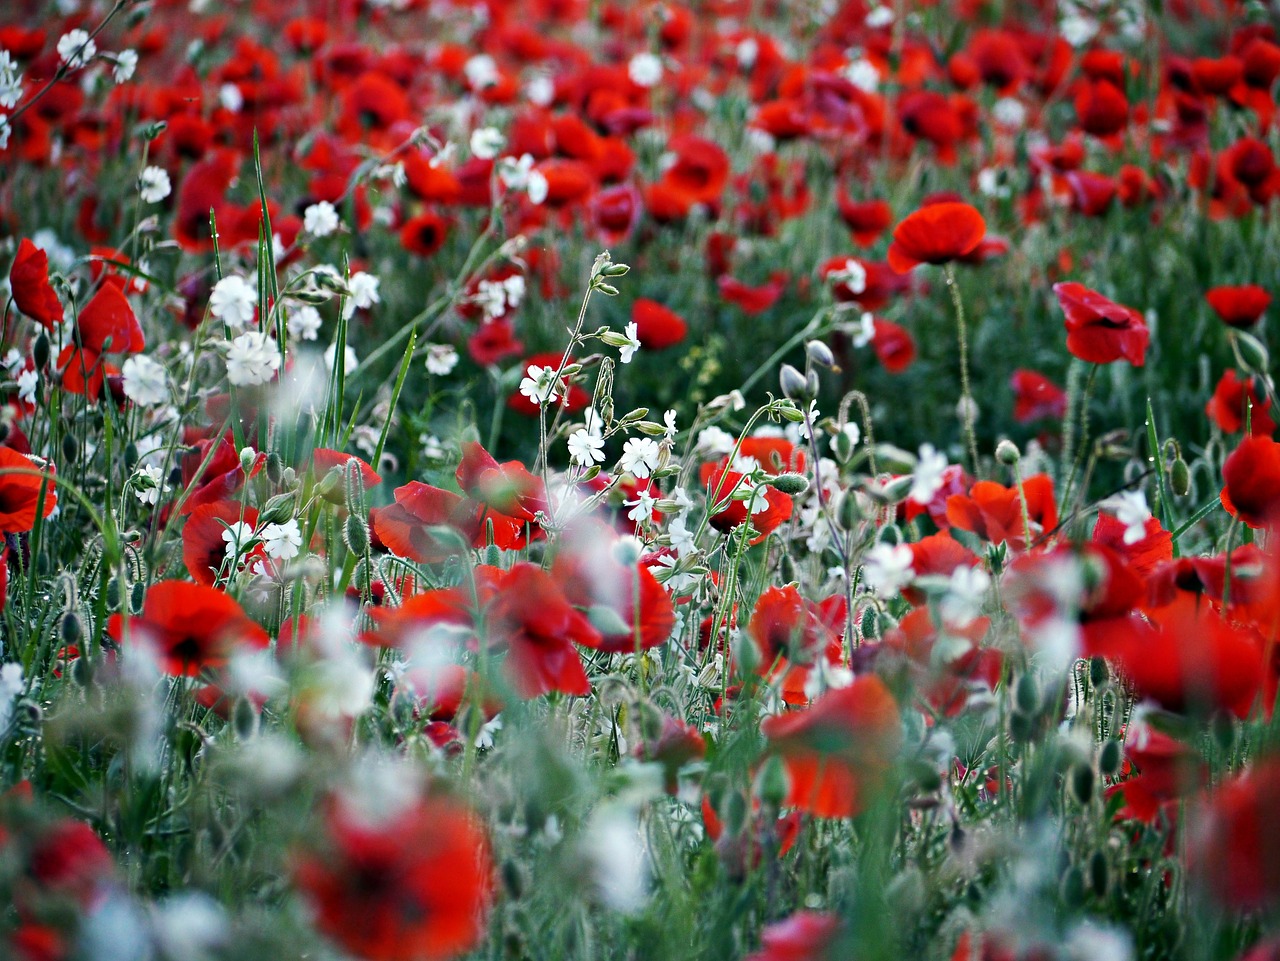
29, 281
936, 234
1100, 330
1239, 306
837, 750
414, 887
1227, 406
1251, 476
191, 626
21, 480
994, 512
805, 936
1234, 847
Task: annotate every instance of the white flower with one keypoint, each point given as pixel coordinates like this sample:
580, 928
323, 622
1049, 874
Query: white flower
154, 184
10, 81
126, 64
441, 359
537, 187
75, 48
887, 568
145, 381
1009, 112
879, 17
927, 478
640, 456
304, 323
852, 275
5, 130
645, 70
514, 173
487, 142
990, 183
682, 539
282, 541
481, 71
863, 75
320, 220
349, 359
364, 293
965, 593
539, 385
642, 507
714, 442
236, 537
27, 383
148, 484
233, 301
746, 52
230, 97
628, 350
1131, 510
850, 430
11, 686
585, 448
1078, 30
540, 90
253, 358
669, 424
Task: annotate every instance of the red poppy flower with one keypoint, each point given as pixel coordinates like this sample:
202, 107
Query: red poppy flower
1035, 396
1234, 849
1251, 476
1143, 556
805, 936
1227, 406
1239, 306
29, 281
785, 625
657, 327
837, 751
936, 234
946, 684
994, 512
720, 483
324, 459
1100, 330
107, 323
408, 527
752, 300
424, 234
1102, 109
894, 345
204, 550
21, 480
506, 488
411, 887
494, 342
866, 219
190, 626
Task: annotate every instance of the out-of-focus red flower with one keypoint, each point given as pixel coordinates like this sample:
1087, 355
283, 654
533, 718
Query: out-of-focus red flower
866, 219
411, 887
1035, 396
29, 282
893, 344
69, 859
1100, 330
657, 327
752, 300
1251, 482
1102, 109
994, 512
1233, 848
945, 684
720, 483
837, 750
1226, 407
424, 234
1239, 306
936, 234
1166, 771
805, 936
507, 488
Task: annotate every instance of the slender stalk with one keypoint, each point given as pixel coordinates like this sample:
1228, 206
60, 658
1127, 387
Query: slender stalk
966, 392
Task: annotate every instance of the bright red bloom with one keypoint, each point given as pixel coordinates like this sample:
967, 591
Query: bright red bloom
1102, 109
994, 512
424, 234
1167, 770
894, 345
837, 751
190, 626
69, 858
1251, 482
29, 281
657, 327
936, 234
720, 482
204, 549
507, 488
945, 684
785, 625
405, 527
866, 219
1239, 306
107, 323
21, 480
1100, 330
752, 300
413, 887
1227, 406
1234, 848
1036, 396
805, 936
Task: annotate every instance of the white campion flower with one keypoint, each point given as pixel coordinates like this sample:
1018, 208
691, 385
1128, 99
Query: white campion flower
145, 382
148, 485
585, 448
252, 359
364, 293
11, 685
10, 81
642, 507
1009, 112
5, 130
441, 359
1131, 510
714, 442
928, 475
282, 542
76, 48
887, 568
645, 70
154, 184
304, 323
514, 172
864, 75
640, 456
231, 98
233, 301
541, 90
628, 350
879, 17
481, 71
537, 187
966, 592
28, 380
126, 62
320, 219
487, 142
669, 428
539, 385
236, 537
852, 275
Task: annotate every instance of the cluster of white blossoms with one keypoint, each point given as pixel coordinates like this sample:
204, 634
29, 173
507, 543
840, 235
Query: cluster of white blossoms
148, 485
145, 381
10, 81
320, 219
539, 385
252, 358
234, 301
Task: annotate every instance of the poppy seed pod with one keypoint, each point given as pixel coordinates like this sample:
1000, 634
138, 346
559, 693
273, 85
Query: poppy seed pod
1110, 758
790, 483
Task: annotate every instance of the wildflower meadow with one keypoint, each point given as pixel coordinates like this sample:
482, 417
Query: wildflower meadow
742, 480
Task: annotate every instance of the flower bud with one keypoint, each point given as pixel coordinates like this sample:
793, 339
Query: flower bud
1251, 353
790, 483
1027, 695
1099, 873
1110, 758
356, 534
772, 783
820, 354
1180, 478
793, 383
1082, 782
247, 458
40, 351
1007, 453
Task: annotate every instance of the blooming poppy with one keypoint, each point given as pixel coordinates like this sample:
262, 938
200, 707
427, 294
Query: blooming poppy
190, 626
894, 346
804, 936
424, 234
23, 481
994, 512
1239, 306
1035, 396
1226, 407
936, 234
837, 750
657, 327
204, 548
945, 683
413, 886
1251, 482
1234, 849
29, 282
1100, 330
774, 506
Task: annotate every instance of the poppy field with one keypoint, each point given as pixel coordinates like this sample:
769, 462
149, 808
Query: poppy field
739, 480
